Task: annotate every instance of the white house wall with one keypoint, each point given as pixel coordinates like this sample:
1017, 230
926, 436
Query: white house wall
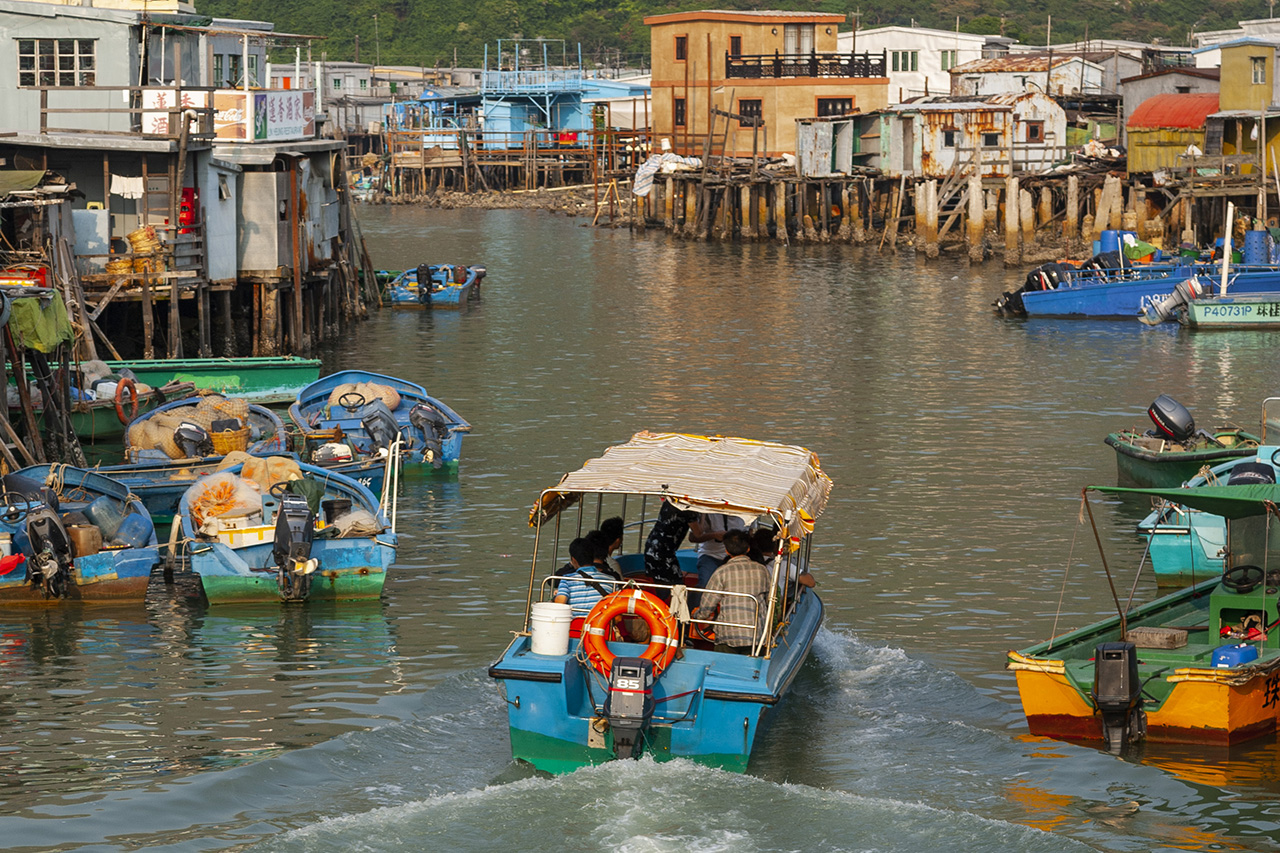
930, 44
1071, 77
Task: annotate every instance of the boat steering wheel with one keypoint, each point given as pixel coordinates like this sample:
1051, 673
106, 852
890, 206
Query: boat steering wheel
1243, 579
1274, 454
13, 507
278, 489
351, 400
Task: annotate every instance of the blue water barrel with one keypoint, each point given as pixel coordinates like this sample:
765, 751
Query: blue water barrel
1255, 247
1109, 242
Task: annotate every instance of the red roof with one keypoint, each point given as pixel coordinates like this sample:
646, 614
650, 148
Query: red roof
1183, 110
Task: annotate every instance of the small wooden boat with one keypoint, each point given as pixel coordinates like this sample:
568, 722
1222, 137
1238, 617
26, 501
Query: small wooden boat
70, 534
576, 702
201, 427
371, 411
307, 535
450, 286
1196, 666
1175, 450
265, 381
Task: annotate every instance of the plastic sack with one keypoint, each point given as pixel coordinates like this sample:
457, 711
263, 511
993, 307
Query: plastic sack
220, 496
269, 471
358, 522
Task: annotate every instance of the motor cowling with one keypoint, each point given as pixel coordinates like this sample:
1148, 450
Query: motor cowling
1171, 418
380, 425
294, 534
629, 707
1117, 693
1163, 309
1251, 473
435, 430
49, 568
193, 440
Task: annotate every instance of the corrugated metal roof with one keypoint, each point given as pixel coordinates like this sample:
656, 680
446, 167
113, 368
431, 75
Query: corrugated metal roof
1181, 110
1012, 62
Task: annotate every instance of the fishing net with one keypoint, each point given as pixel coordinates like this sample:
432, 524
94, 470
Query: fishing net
222, 496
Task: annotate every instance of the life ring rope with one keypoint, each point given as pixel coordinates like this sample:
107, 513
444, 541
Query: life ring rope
664, 640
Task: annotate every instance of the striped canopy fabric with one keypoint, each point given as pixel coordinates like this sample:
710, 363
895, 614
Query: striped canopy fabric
714, 474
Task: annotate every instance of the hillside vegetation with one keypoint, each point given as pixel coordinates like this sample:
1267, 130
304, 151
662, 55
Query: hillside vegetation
611, 32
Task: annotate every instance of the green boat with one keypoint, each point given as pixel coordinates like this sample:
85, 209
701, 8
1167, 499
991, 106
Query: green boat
1158, 462
265, 381
1257, 311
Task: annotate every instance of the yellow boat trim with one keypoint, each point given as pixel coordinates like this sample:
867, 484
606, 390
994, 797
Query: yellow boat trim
1020, 662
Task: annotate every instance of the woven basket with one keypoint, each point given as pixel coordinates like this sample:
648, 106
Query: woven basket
229, 440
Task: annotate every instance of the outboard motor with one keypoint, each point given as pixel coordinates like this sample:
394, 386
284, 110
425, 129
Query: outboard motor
380, 425
425, 285
480, 270
295, 529
1184, 292
1117, 694
193, 440
331, 452
1172, 418
435, 430
1251, 473
630, 704
49, 568
1044, 277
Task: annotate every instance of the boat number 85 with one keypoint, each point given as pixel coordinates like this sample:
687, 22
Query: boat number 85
627, 684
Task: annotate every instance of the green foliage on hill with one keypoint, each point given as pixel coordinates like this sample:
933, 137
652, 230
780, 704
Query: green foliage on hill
432, 32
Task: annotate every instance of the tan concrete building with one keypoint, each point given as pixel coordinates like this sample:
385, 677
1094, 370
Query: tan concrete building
774, 67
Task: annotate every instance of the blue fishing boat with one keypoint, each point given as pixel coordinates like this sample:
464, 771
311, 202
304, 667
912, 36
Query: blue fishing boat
371, 411
204, 426
449, 286
659, 688
274, 529
70, 534
160, 485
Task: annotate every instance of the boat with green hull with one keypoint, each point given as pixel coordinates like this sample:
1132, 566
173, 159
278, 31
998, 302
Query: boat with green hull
1175, 451
265, 381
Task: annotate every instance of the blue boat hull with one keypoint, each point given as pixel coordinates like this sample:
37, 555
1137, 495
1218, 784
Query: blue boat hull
1127, 299
444, 292
709, 706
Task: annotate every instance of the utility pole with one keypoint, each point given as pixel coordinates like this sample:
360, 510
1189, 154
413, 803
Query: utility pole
377, 55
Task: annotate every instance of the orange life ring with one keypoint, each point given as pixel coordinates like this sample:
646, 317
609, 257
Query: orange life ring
133, 400
664, 638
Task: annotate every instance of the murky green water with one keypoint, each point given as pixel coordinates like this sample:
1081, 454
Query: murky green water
958, 443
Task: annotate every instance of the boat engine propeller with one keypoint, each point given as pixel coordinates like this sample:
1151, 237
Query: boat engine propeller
1161, 310
435, 429
630, 704
49, 568
295, 529
1117, 694
193, 440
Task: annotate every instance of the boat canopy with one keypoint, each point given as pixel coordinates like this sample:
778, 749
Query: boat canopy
1230, 502
733, 476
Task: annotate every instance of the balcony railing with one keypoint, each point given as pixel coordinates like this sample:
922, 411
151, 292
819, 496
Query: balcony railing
780, 65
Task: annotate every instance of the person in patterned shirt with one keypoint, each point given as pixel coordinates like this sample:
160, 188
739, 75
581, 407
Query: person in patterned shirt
660, 561
742, 575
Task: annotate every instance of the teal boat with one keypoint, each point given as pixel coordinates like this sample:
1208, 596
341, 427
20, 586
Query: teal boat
665, 692
265, 381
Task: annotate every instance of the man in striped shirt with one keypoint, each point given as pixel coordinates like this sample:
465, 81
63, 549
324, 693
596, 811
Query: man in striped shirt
742, 575
583, 585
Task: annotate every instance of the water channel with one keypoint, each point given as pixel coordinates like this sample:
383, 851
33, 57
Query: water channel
958, 443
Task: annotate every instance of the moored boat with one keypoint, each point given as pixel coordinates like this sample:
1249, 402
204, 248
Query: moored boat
202, 427
449, 286
71, 534
370, 411
661, 691
1196, 666
262, 380
1175, 450
273, 529
1239, 309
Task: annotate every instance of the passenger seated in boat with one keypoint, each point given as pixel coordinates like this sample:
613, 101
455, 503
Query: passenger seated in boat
612, 529
599, 542
660, 561
584, 586
739, 574
764, 550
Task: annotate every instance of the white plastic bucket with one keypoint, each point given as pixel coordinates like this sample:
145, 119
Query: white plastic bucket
549, 624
